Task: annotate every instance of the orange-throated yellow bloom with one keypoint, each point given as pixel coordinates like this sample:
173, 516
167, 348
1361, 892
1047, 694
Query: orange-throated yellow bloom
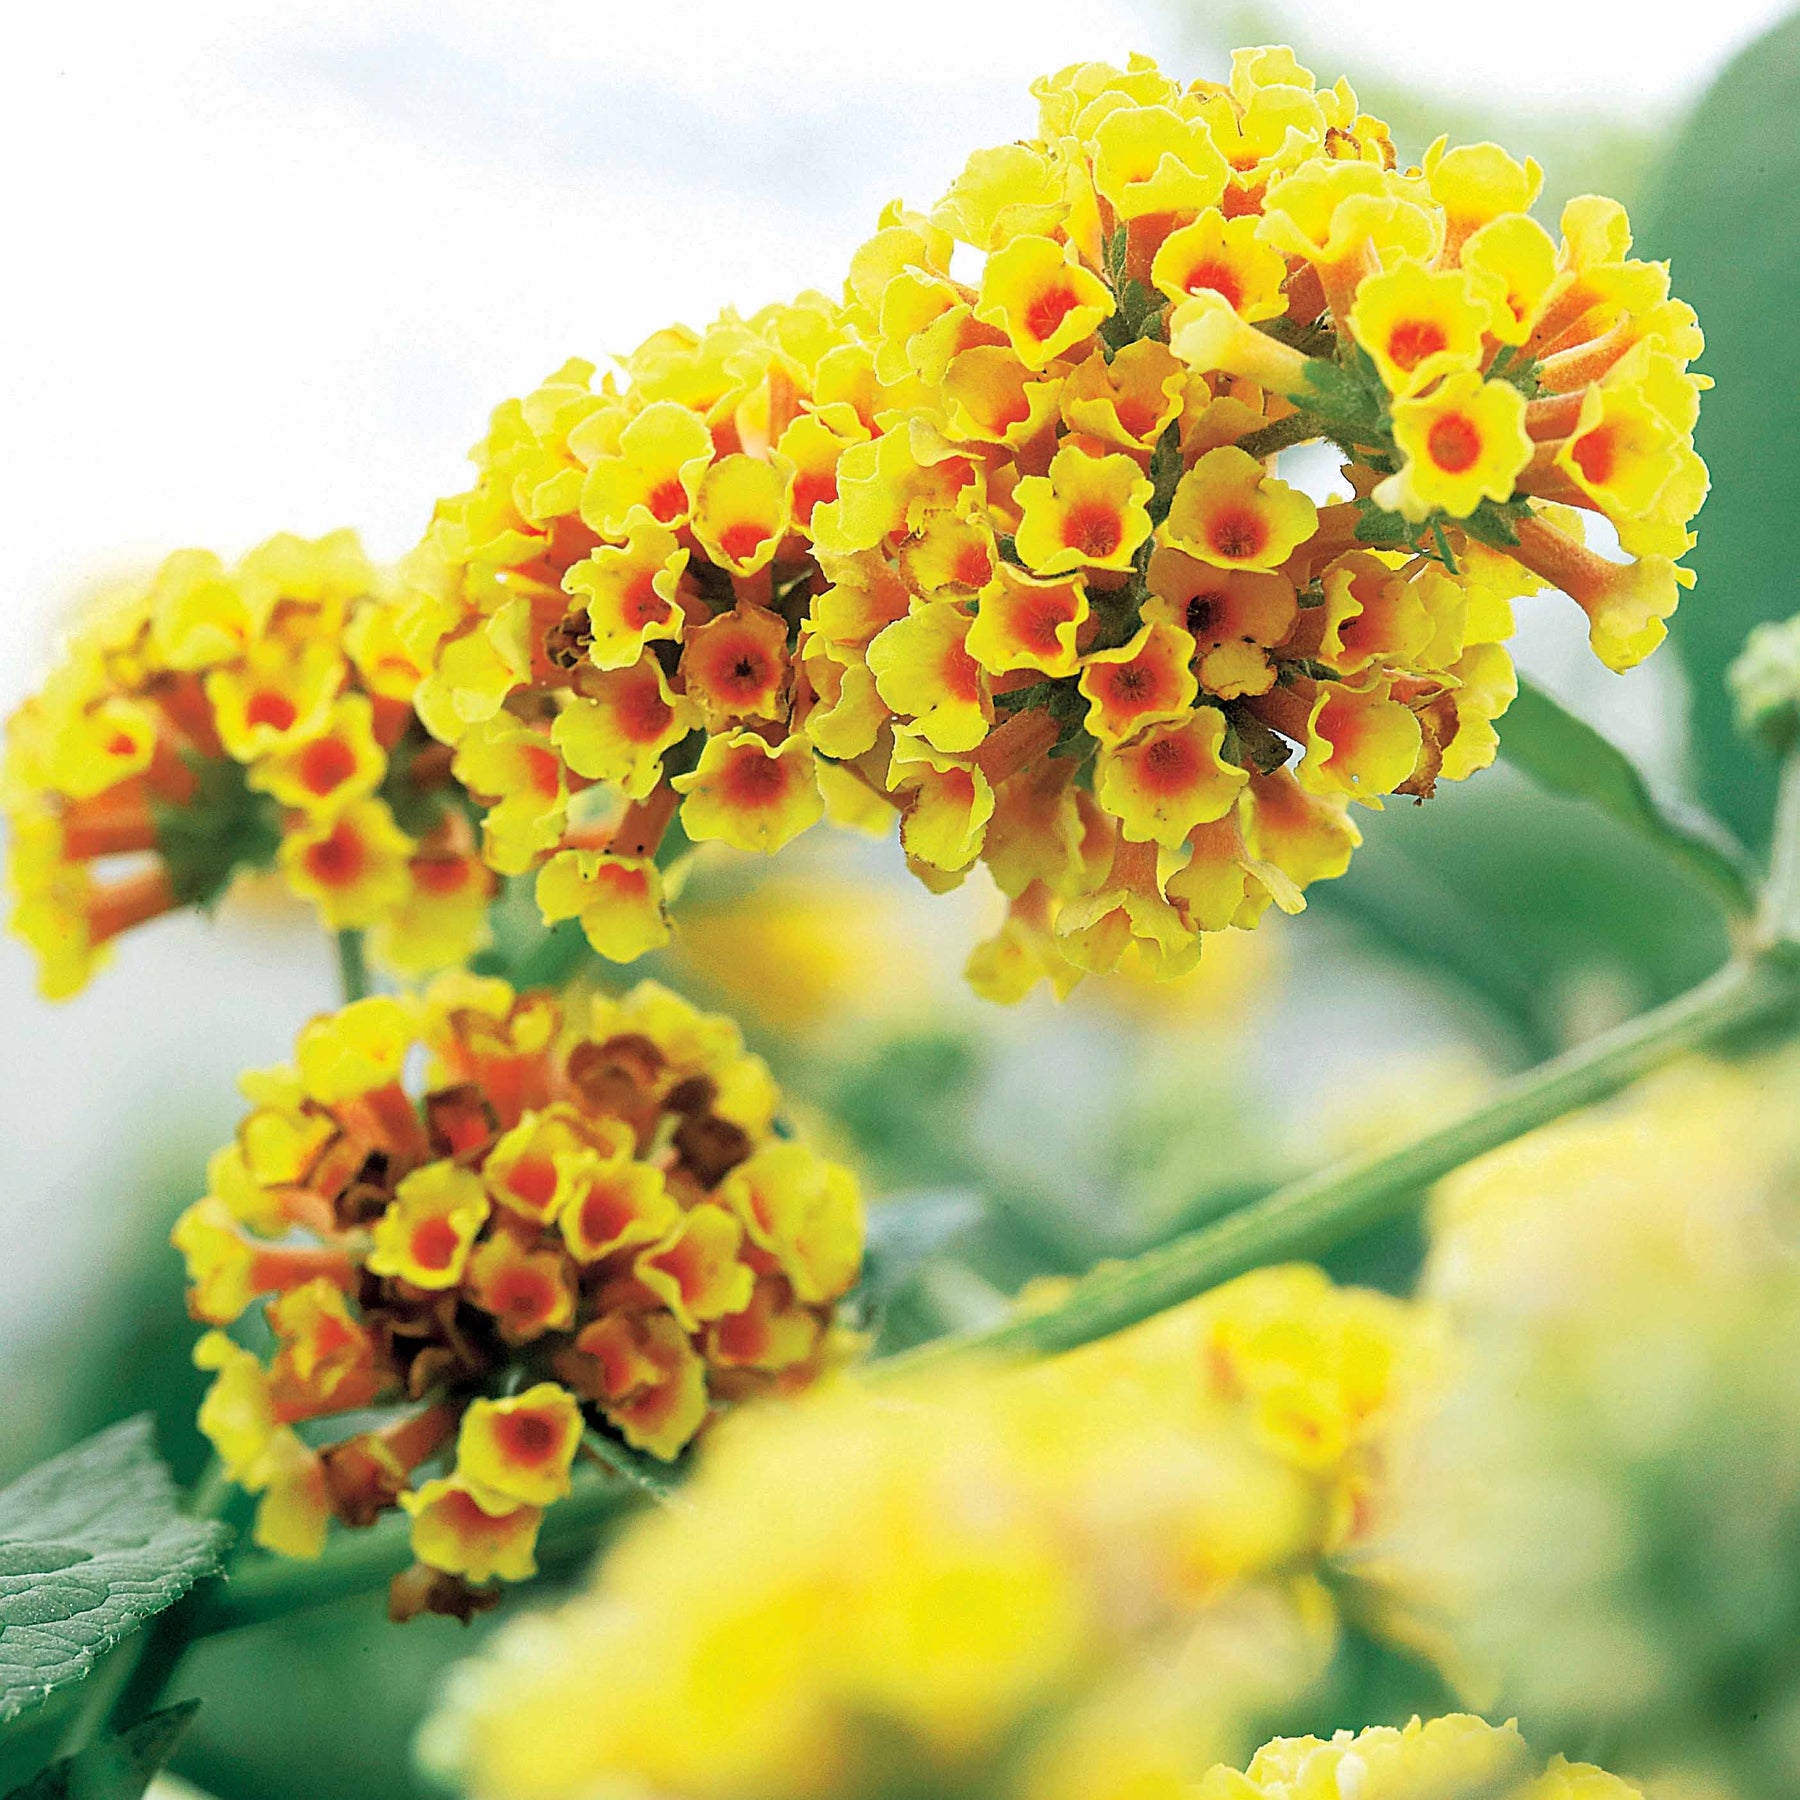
1222, 256
1088, 512
1229, 510
749, 793
1146, 681
620, 725
1023, 622
1037, 291
1128, 402
1463, 443
1161, 785
618, 899
1419, 324
925, 672
1149, 159
632, 590
504, 1226
352, 865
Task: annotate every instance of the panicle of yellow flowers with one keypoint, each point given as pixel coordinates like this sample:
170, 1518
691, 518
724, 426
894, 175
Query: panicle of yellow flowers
1001, 549
1077, 1578
1597, 1526
216, 720
583, 1220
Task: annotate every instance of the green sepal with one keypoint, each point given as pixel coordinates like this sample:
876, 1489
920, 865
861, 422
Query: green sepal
223, 827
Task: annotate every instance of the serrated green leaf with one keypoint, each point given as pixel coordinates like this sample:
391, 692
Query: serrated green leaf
1568, 756
1724, 215
92, 1544
119, 1768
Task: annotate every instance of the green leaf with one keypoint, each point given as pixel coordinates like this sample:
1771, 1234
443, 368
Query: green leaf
92, 1544
1568, 756
118, 1768
1724, 215
648, 1474
220, 828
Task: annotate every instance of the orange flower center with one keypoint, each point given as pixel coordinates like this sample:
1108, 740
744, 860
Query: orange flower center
642, 605
605, 1212
326, 764
755, 780
742, 541
275, 710
1217, 278
1093, 529
337, 860
442, 874
526, 1437
1237, 532
1169, 764
524, 1294
1412, 340
1046, 311
542, 770
1454, 443
1597, 455
434, 1244
667, 500
641, 713
533, 1180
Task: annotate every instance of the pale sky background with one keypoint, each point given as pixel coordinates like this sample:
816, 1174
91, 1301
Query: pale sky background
269, 265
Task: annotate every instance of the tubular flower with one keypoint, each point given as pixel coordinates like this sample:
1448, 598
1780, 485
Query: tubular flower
1017, 502
215, 721
582, 1230
1144, 1509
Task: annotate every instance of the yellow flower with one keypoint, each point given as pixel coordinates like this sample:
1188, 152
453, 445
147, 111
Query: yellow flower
425, 1235
520, 1449
620, 725
695, 1270
1037, 291
654, 475
352, 864
742, 510
1208, 334
1222, 256
735, 667
1463, 443
615, 1203
1360, 742
1147, 680
1149, 159
618, 899
337, 761
1419, 324
465, 1530
1022, 622
1128, 402
1088, 512
632, 592
1229, 510
925, 672
528, 1291
749, 793
1161, 785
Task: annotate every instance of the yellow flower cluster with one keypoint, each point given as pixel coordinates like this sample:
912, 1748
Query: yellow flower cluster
877, 1592
596, 1199
1457, 1757
1597, 1526
613, 608
1002, 548
217, 720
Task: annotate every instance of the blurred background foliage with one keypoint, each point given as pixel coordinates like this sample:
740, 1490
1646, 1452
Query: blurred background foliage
1472, 937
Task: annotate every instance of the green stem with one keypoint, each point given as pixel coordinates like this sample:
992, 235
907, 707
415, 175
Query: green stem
1284, 434
1310, 1216
353, 966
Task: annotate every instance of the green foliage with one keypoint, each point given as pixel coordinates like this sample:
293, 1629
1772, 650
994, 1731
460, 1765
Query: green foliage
223, 827
118, 1768
92, 1544
1568, 756
1725, 215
